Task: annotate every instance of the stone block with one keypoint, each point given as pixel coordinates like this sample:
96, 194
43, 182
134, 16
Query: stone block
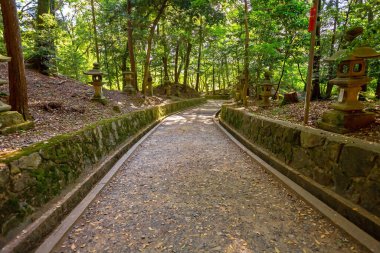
370, 196
4, 176
311, 140
356, 160
21, 181
344, 122
355, 189
324, 177
31, 161
291, 135
333, 150
302, 162
10, 118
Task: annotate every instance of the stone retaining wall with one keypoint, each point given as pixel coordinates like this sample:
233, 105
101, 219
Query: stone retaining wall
32, 176
347, 166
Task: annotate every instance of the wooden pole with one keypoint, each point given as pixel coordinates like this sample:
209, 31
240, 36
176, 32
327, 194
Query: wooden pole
310, 68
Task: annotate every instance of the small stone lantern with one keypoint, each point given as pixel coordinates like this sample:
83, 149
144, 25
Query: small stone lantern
266, 89
347, 113
128, 78
97, 77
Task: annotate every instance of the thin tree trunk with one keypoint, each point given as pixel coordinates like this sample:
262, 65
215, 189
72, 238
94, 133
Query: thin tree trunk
176, 71
165, 57
95, 31
333, 40
44, 43
131, 50
18, 98
187, 63
316, 92
364, 87
213, 79
199, 53
378, 87
345, 22
107, 65
180, 69
149, 49
227, 71
124, 63
246, 54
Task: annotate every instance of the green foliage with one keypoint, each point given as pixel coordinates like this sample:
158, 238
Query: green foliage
279, 39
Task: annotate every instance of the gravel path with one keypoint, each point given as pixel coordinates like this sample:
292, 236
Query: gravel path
188, 188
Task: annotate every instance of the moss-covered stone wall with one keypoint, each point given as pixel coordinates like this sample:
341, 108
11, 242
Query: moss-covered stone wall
34, 175
350, 167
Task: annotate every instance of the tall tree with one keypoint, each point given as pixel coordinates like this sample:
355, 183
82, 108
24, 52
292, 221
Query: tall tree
316, 92
246, 54
149, 43
131, 50
45, 47
95, 31
199, 52
18, 98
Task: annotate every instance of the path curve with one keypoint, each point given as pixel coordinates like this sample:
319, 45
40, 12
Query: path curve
188, 188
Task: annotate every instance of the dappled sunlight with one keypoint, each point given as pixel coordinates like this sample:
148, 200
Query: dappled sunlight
201, 115
237, 245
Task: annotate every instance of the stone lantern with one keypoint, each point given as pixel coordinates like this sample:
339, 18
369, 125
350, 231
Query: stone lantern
97, 77
266, 89
11, 121
128, 79
347, 113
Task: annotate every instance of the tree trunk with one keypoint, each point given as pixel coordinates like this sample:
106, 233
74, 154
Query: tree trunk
316, 93
364, 87
378, 87
166, 54
18, 98
124, 64
246, 54
227, 72
187, 63
213, 79
131, 50
109, 76
45, 48
331, 65
176, 69
149, 49
199, 54
95, 31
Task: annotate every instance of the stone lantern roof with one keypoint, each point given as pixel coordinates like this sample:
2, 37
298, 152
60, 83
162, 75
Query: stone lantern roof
95, 71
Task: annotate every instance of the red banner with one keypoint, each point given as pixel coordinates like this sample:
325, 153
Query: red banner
313, 18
